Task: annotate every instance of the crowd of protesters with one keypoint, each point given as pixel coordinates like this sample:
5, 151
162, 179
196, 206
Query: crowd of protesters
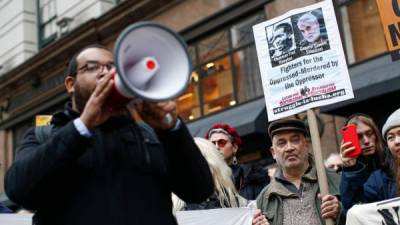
82, 160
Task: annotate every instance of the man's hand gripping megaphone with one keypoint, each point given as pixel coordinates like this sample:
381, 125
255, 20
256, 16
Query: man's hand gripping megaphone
159, 115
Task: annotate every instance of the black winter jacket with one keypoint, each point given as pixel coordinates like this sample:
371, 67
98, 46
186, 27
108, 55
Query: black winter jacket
249, 180
123, 174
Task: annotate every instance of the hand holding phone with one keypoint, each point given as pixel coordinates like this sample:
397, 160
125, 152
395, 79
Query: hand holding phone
349, 134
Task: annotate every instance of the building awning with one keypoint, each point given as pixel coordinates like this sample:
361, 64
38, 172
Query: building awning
374, 78
248, 118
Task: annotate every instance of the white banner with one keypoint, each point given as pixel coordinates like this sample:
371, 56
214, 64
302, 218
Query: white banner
224, 216
385, 212
16, 219
301, 59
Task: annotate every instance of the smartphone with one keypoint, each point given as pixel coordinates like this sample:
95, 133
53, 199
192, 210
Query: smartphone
349, 134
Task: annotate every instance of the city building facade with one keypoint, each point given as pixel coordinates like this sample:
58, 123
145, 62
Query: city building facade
37, 38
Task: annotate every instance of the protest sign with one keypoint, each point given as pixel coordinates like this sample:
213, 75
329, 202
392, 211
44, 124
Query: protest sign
16, 219
301, 60
390, 17
224, 216
377, 213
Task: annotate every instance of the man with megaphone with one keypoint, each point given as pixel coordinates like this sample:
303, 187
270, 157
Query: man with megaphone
95, 165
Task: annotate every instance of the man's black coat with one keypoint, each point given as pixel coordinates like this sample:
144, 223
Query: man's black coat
124, 174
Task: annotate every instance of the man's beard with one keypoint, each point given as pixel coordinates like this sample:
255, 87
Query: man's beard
80, 96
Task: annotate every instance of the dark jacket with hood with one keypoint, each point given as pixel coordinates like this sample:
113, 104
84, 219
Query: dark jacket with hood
249, 180
213, 203
123, 174
360, 185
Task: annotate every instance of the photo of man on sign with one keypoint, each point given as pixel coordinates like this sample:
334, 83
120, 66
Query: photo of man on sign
311, 30
282, 40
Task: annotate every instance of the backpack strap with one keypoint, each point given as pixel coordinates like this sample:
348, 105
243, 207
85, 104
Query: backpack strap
42, 133
147, 131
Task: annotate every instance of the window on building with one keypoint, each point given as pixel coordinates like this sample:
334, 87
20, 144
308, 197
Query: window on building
217, 85
245, 61
189, 103
47, 18
225, 71
362, 29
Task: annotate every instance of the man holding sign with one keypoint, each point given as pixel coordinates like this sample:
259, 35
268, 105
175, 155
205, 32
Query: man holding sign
313, 72
310, 76
293, 196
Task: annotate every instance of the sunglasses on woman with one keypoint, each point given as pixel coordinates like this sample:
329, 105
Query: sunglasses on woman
220, 142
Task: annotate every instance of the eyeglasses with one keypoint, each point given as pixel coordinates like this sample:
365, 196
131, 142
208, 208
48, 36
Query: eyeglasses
220, 143
96, 67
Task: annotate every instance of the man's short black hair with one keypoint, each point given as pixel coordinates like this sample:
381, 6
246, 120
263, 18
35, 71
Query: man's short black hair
72, 68
287, 28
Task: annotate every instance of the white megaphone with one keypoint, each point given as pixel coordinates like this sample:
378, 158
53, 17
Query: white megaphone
152, 62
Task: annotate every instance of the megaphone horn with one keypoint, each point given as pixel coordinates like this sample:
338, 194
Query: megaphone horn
152, 63
146, 68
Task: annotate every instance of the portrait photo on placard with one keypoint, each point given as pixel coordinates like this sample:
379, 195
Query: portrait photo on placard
310, 32
281, 42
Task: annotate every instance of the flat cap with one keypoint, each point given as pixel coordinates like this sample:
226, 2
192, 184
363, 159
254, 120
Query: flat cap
286, 125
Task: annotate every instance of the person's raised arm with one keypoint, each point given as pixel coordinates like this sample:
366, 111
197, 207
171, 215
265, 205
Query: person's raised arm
37, 164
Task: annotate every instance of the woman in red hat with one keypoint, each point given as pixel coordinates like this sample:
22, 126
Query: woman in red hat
249, 180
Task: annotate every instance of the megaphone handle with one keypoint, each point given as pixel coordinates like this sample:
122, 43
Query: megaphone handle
168, 119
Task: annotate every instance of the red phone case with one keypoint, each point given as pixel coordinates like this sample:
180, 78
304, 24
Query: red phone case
349, 134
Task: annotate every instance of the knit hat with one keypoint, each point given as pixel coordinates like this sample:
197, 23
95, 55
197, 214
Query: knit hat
225, 129
286, 125
392, 121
